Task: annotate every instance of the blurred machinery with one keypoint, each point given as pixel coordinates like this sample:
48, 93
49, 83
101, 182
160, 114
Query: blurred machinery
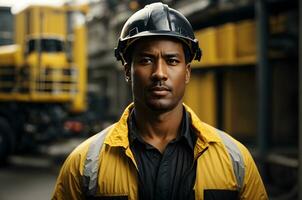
106, 85
246, 83
6, 26
43, 77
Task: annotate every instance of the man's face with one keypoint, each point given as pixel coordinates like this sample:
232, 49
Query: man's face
158, 73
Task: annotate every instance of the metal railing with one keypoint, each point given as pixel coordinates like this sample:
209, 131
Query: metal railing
38, 84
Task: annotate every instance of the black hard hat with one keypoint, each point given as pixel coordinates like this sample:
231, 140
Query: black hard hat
157, 19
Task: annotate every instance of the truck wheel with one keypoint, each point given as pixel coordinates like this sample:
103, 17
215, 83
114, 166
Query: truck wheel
6, 140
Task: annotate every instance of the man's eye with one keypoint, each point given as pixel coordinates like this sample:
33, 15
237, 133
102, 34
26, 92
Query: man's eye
173, 61
145, 60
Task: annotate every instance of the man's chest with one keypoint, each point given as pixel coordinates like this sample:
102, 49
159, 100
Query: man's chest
166, 175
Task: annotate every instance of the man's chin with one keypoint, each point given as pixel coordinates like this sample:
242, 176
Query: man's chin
159, 106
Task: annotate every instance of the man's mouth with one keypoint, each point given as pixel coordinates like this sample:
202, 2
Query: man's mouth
159, 90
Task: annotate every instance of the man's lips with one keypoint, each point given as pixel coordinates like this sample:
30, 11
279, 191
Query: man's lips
159, 90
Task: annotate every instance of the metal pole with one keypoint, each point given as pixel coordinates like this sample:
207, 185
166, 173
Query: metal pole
264, 82
219, 98
300, 102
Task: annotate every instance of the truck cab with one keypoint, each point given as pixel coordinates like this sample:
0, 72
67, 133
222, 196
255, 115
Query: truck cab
42, 77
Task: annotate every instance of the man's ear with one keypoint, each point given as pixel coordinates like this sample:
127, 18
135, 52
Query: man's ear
188, 72
127, 70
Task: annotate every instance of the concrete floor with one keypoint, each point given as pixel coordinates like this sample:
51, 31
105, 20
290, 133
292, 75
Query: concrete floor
27, 178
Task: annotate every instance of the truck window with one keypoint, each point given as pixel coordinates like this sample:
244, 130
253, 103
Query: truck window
47, 45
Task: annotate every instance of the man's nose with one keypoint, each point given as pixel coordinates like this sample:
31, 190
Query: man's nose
160, 70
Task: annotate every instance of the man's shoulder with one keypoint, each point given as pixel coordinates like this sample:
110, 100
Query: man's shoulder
234, 145
222, 137
84, 146
73, 168
78, 155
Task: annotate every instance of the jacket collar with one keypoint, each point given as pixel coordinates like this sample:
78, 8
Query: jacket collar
118, 135
205, 133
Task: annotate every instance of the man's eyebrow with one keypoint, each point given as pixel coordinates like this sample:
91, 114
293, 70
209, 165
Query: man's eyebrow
172, 54
145, 53
168, 54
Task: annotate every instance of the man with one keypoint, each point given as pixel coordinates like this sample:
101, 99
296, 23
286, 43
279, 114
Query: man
159, 149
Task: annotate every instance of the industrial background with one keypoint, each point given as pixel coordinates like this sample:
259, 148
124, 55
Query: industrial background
60, 83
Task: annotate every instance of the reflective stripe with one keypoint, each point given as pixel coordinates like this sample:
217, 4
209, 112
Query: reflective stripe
236, 156
91, 167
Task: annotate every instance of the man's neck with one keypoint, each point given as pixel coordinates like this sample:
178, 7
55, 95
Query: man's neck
158, 128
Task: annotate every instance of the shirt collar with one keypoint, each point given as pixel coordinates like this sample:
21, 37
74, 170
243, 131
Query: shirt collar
185, 133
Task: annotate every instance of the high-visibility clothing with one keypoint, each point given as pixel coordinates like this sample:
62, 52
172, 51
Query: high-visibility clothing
104, 166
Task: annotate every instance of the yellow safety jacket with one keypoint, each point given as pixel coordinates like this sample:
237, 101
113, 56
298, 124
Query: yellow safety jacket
104, 166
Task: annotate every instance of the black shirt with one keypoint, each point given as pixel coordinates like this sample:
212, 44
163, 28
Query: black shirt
167, 175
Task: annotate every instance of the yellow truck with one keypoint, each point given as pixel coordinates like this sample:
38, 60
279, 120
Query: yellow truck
42, 77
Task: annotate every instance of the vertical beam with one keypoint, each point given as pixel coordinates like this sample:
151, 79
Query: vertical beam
219, 99
264, 74
300, 102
